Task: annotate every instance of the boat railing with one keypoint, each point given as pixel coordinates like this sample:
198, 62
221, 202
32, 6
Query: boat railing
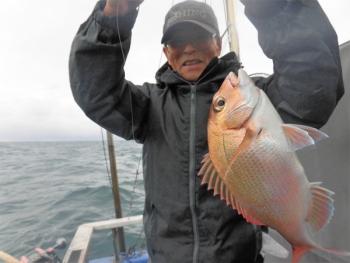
78, 249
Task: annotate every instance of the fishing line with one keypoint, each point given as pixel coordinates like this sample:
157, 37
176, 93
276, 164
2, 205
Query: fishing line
132, 120
228, 27
132, 113
134, 187
132, 125
131, 250
121, 47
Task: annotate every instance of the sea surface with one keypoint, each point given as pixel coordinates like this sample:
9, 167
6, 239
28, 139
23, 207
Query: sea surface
48, 189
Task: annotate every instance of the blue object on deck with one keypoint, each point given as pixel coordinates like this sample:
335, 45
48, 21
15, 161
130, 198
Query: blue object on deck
136, 257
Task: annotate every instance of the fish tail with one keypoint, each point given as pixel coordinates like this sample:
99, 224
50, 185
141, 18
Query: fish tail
299, 252
335, 251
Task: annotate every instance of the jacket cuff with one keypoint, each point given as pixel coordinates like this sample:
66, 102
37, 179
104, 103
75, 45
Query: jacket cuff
274, 17
121, 24
261, 9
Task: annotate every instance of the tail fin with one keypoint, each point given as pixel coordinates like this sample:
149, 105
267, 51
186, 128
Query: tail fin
299, 252
336, 251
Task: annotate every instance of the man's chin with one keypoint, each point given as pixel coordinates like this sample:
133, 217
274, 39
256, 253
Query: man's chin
191, 76
191, 79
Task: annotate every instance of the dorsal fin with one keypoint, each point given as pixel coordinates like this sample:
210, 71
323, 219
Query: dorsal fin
321, 207
214, 181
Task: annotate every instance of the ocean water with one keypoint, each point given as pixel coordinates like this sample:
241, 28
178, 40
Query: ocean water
48, 189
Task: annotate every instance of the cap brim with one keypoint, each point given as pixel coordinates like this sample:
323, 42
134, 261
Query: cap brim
205, 26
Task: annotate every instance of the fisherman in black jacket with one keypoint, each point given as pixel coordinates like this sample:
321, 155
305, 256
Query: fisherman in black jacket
183, 221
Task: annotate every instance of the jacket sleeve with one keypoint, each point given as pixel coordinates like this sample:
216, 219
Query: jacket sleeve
297, 35
97, 80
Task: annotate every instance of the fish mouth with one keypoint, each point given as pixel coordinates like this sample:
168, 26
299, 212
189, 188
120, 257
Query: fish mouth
239, 108
242, 124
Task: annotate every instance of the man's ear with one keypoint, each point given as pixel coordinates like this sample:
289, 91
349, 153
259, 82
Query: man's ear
219, 45
166, 53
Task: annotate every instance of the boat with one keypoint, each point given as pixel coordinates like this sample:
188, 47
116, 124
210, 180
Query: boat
324, 156
78, 249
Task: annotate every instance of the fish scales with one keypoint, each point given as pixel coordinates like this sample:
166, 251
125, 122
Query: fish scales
252, 155
256, 175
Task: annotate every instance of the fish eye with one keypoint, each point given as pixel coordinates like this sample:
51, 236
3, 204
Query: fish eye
219, 104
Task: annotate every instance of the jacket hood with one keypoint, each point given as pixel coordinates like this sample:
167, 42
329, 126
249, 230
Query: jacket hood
217, 69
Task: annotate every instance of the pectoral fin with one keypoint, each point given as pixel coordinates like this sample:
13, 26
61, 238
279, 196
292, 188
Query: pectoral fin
315, 134
300, 136
252, 131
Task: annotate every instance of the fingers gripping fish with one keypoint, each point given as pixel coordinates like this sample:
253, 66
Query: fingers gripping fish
252, 164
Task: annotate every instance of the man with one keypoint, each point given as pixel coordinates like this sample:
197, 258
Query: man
183, 221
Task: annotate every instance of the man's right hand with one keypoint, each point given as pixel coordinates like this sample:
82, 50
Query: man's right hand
120, 7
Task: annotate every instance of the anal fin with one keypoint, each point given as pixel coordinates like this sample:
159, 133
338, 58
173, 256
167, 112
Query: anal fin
321, 207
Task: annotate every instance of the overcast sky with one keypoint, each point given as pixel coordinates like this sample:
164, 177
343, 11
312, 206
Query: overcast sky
36, 103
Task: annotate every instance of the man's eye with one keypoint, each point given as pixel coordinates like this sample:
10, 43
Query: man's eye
176, 43
200, 37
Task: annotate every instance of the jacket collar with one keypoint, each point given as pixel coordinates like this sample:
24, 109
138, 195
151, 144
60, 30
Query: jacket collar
217, 69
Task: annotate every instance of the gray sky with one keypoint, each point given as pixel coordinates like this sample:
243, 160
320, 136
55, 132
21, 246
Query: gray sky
35, 98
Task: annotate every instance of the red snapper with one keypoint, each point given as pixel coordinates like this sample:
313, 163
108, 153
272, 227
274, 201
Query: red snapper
252, 164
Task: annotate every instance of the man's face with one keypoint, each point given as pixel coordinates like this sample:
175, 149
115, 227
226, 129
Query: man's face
191, 62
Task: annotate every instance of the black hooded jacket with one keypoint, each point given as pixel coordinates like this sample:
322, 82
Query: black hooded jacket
183, 221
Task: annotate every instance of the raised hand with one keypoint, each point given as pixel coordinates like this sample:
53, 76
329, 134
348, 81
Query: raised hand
120, 7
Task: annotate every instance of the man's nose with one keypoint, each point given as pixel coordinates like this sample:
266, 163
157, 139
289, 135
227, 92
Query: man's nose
189, 48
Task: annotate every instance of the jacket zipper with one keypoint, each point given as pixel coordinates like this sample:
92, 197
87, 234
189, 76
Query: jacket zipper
192, 173
192, 167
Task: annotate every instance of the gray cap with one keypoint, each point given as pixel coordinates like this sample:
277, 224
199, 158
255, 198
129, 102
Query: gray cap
191, 11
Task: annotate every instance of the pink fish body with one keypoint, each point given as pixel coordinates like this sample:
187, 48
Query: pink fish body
252, 164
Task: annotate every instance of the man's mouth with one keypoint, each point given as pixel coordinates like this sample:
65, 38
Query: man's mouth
191, 62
